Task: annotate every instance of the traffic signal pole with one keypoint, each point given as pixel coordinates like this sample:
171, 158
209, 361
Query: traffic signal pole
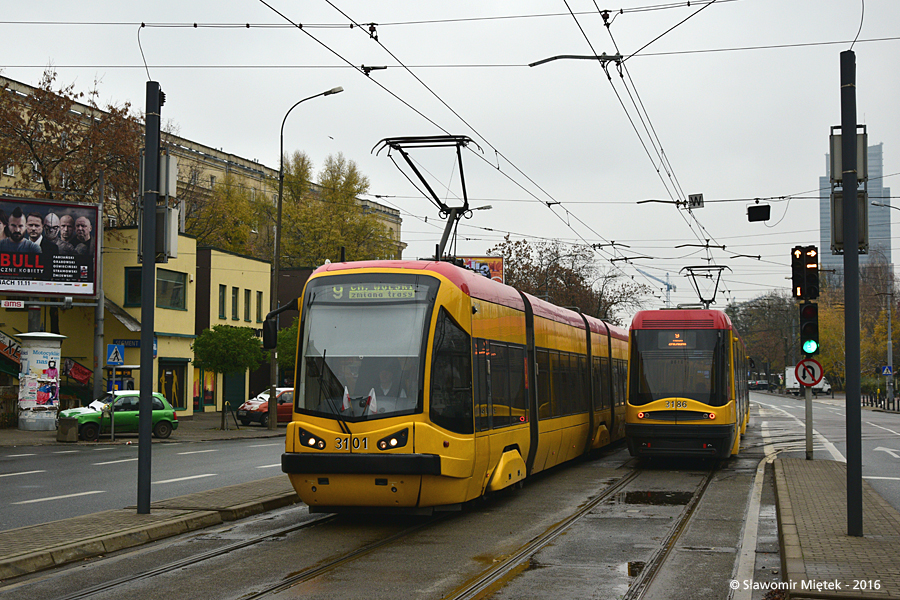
851, 294
809, 423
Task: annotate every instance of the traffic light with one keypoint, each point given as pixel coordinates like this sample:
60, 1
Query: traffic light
809, 328
811, 260
798, 272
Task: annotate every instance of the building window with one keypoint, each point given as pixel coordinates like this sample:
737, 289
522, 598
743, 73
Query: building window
9, 170
223, 291
234, 303
259, 307
133, 286
170, 289
212, 181
247, 305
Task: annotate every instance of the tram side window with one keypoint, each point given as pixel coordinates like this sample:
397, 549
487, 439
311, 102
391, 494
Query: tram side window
500, 405
482, 386
597, 374
544, 391
619, 371
451, 377
582, 388
518, 399
605, 397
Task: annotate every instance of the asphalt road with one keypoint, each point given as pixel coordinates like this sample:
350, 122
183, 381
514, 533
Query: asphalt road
880, 441
45, 483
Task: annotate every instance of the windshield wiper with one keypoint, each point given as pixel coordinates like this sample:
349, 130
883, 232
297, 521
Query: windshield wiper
343, 424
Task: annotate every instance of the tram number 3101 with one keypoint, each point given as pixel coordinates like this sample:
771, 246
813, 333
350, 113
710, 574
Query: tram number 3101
351, 443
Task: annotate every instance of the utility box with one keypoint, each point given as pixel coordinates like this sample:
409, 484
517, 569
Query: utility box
67, 429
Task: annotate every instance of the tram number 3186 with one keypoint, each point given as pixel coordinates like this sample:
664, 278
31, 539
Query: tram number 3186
351, 443
676, 403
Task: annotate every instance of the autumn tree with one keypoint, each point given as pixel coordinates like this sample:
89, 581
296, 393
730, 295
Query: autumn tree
319, 220
224, 216
768, 326
568, 276
59, 142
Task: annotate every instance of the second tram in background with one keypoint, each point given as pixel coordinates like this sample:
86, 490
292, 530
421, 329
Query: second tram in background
687, 384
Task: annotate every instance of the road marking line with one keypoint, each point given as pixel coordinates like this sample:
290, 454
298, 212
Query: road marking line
19, 455
185, 478
66, 452
114, 462
21, 473
196, 452
876, 477
835, 453
880, 427
60, 497
264, 445
268, 466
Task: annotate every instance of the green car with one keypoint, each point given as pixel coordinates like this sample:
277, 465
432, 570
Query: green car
125, 410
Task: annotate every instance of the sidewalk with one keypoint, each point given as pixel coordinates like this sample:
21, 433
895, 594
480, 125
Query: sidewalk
816, 552
201, 427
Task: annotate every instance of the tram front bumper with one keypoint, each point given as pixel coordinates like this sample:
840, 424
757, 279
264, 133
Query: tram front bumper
309, 463
680, 440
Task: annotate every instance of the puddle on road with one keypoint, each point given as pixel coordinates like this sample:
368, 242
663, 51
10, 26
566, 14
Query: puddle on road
658, 498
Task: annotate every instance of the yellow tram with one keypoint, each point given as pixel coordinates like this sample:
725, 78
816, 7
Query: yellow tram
423, 384
687, 385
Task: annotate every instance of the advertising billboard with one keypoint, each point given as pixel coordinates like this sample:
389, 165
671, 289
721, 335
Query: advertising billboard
47, 247
489, 266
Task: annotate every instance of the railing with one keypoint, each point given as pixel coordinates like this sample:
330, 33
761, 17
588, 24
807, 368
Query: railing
881, 401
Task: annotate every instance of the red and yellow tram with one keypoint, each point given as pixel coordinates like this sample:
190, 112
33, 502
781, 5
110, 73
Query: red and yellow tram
423, 384
687, 384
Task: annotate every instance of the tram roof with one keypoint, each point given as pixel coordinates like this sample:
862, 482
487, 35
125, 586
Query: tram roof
684, 318
482, 288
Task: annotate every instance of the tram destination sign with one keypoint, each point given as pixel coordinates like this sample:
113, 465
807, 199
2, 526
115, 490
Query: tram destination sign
374, 291
684, 340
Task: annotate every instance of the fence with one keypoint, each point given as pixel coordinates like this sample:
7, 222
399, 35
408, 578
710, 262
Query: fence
881, 401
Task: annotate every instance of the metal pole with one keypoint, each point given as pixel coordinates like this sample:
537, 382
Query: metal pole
851, 294
890, 344
155, 99
809, 422
99, 310
276, 260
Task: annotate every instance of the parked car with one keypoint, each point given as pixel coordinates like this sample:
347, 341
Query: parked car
256, 410
92, 421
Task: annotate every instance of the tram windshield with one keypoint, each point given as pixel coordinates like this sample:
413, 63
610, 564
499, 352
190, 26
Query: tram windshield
678, 363
363, 345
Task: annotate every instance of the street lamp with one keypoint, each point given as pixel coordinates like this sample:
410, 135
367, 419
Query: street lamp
276, 268
873, 203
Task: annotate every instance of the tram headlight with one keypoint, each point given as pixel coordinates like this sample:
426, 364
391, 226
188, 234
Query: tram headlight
309, 440
395, 440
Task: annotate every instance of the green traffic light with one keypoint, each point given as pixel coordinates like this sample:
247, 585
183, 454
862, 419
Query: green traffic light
810, 346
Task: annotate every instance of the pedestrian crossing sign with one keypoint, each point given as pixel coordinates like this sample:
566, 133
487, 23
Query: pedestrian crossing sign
886, 370
115, 354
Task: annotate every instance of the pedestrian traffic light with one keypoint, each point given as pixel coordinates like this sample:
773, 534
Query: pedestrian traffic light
811, 266
798, 272
809, 328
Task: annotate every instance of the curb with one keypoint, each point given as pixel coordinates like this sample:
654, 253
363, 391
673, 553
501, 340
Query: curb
48, 558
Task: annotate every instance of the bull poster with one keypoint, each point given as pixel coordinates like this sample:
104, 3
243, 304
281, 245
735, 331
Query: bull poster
48, 247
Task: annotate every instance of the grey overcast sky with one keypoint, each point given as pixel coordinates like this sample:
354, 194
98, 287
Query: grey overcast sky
740, 95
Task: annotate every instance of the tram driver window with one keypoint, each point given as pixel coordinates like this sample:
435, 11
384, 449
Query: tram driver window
451, 377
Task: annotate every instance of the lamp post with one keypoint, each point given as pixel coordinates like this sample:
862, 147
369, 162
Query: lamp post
276, 267
890, 295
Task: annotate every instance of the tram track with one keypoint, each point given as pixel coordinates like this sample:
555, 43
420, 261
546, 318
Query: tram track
489, 581
195, 559
639, 587
502, 570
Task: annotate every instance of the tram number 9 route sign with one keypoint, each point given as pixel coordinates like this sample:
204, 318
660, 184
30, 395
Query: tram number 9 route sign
809, 372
